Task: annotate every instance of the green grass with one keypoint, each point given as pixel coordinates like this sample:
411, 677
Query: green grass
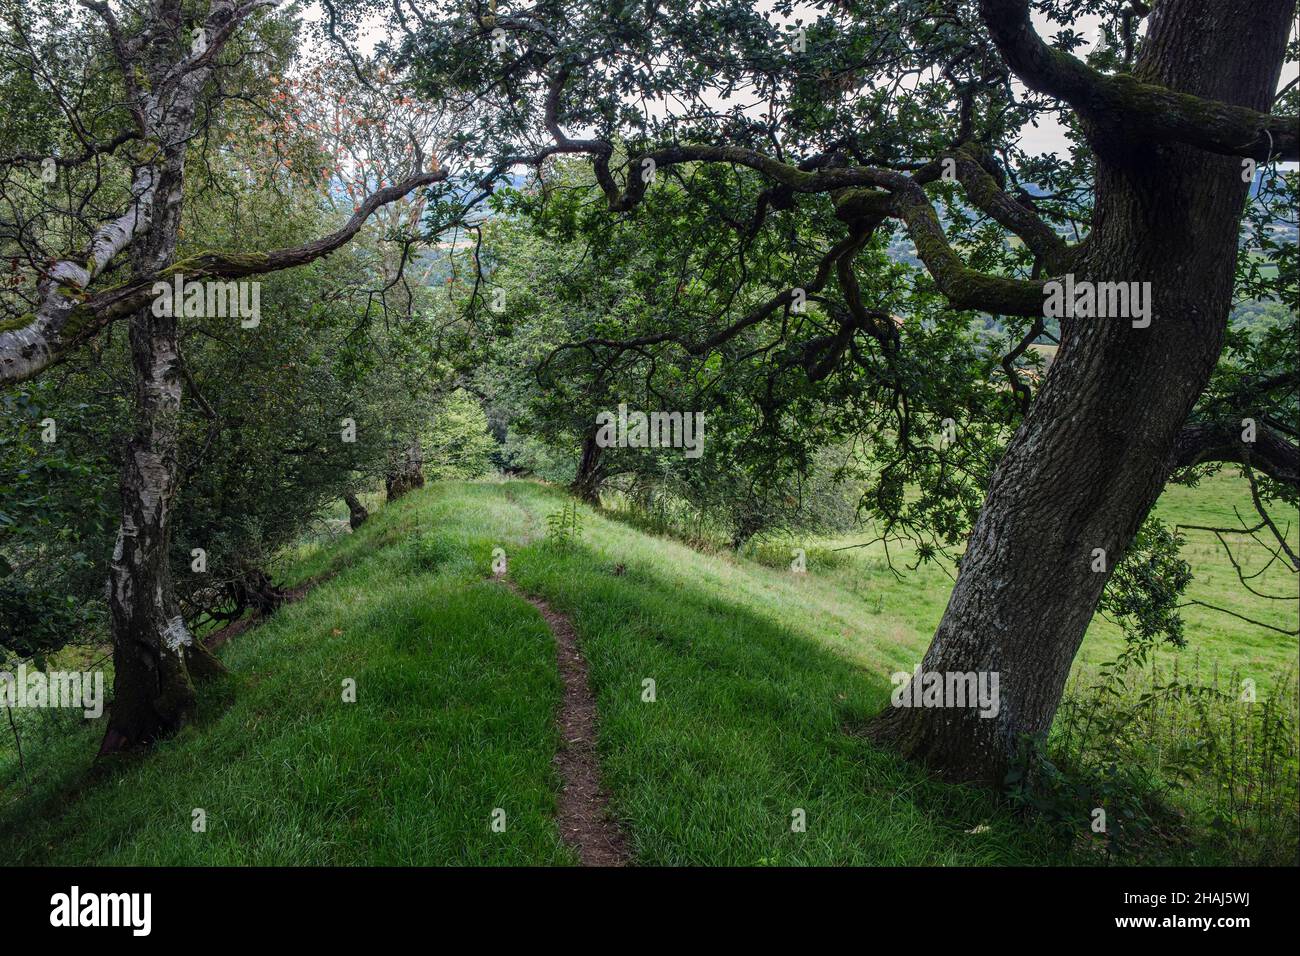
454, 718
753, 718
763, 680
907, 609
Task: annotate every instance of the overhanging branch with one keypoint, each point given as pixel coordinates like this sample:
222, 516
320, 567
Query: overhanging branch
68, 317
1147, 110
1268, 453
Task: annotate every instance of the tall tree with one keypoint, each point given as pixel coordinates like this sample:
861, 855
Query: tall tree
865, 116
167, 68
1107, 427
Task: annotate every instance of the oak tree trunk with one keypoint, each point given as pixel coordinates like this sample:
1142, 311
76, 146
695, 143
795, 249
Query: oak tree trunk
357, 513
1095, 449
590, 476
406, 471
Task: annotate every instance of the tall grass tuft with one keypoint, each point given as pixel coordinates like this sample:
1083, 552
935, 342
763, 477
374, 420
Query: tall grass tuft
1195, 749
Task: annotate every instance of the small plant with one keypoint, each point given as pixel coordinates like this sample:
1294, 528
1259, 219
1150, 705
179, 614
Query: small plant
1177, 751
564, 527
1067, 802
431, 553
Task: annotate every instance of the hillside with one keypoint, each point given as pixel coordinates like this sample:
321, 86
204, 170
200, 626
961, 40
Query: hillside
763, 680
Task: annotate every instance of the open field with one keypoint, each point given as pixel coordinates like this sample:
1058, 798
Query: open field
909, 607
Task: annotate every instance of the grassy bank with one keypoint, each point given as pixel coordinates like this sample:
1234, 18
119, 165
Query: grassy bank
762, 681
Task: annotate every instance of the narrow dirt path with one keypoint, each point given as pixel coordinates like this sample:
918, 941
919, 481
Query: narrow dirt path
531, 524
583, 819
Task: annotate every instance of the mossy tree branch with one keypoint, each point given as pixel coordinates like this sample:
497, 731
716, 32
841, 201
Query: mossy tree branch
68, 316
1143, 110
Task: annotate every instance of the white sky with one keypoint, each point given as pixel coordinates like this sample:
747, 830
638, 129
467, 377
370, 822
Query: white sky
1047, 137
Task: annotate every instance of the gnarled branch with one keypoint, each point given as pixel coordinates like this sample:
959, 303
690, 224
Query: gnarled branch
1212, 441
1146, 110
68, 317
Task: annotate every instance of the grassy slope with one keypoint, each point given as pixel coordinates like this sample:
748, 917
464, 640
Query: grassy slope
452, 720
758, 675
908, 609
750, 714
